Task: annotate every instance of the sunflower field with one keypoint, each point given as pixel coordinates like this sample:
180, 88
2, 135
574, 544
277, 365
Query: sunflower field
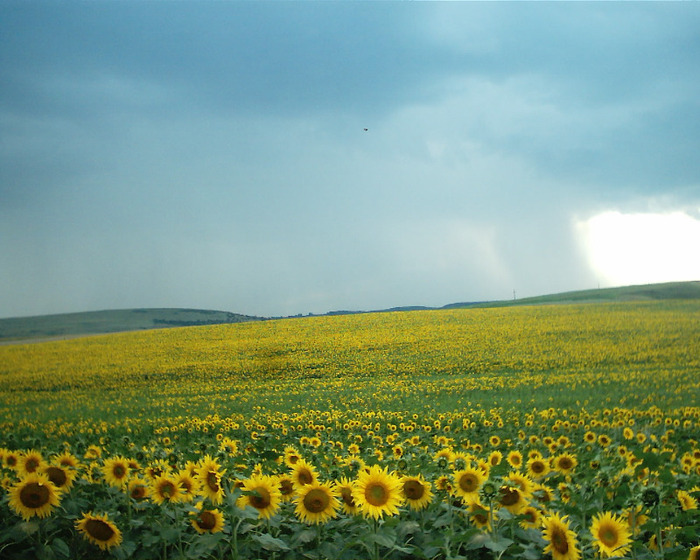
559, 432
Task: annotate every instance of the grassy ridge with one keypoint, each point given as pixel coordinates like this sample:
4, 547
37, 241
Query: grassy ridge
646, 292
110, 321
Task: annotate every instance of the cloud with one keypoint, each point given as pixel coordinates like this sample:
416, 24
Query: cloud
215, 156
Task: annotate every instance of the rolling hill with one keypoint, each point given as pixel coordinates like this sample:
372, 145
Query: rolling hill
102, 322
67, 325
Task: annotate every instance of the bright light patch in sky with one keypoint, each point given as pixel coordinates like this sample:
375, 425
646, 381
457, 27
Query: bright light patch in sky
643, 248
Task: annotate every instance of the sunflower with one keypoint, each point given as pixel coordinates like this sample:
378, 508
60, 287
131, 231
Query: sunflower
443, 483
444, 455
495, 458
686, 500
99, 530
479, 515
564, 463
515, 459
537, 467
286, 486
531, 517
61, 477
417, 492
33, 495
354, 449
30, 462
157, 468
208, 521
344, 487
303, 473
67, 461
522, 481
229, 446
316, 503
377, 492
611, 534
93, 452
138, 489
467, 483
165, 488
209, 474
511, 498
11, 460
694, 553
261, 492
189, 485
116, 471
561, 540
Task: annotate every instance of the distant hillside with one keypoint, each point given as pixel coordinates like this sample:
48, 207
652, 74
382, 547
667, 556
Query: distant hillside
101, 322
670, 290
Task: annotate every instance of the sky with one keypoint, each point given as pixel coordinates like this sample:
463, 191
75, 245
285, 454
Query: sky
276, 158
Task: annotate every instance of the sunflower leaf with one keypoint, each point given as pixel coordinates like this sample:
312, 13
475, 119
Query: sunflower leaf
268, 542
60, 548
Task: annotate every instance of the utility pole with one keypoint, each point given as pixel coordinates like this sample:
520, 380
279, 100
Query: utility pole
513, 294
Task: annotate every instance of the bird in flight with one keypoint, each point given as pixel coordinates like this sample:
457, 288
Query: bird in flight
366, 129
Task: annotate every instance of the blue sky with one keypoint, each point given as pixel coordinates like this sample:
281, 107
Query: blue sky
213, 155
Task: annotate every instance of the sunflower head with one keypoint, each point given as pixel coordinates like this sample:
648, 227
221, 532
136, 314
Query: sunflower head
303, 473
286, 486
531, 517
116, 471
377, 492
611, 534
262, 493
61, 477
34, 495
138, 489
166, 488
467, 483
209, 474
561, 540
316, 503
30, 462
345, 487
99, 530
417, 492
511, 498
208, 521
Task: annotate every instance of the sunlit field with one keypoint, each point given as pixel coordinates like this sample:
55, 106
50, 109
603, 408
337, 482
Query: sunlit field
563, 431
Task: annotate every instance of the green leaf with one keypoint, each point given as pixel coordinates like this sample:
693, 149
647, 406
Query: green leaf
305, 536
268, 542
497, 543
60, 548
382, 539
407, 527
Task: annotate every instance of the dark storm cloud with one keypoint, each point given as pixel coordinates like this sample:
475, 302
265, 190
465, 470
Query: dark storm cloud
214, 154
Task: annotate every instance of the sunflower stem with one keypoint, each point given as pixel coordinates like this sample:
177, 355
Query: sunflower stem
178, 524
659, 536
375, 555
492, 524
234, 539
